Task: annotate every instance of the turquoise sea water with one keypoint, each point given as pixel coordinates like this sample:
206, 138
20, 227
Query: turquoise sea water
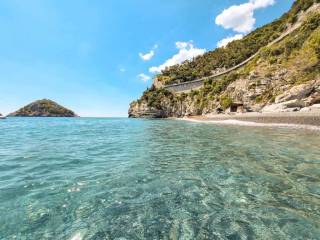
156, 179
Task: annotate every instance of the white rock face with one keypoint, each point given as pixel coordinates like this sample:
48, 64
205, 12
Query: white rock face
157, 83
289, 106
317, 106
306, 109
297, 92
314, 108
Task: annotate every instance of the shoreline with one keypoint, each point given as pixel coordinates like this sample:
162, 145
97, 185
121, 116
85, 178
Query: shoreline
309, 120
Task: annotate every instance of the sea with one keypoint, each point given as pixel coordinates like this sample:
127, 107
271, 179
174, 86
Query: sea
119, 178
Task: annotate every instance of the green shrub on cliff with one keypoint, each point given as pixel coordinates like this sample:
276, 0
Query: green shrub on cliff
153, 96
225, 102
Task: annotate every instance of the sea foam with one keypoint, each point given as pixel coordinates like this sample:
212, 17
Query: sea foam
253, 124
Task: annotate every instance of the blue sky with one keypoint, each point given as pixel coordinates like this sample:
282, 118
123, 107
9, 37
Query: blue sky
96, 56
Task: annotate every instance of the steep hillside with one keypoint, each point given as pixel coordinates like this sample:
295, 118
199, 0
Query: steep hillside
236, 52
43, 108
284, 76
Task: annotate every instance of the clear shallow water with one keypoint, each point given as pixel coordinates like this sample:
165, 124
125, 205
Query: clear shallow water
142, 179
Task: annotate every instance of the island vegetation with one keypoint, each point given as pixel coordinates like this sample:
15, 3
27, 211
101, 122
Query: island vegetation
43, 108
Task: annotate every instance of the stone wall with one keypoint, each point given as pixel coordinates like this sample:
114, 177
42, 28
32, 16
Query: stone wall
185, 87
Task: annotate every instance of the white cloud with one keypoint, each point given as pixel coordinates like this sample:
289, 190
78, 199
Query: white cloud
148, 56
181, 45
144, 77
240, 18
262, 3
224, 42
122, 70
186, 52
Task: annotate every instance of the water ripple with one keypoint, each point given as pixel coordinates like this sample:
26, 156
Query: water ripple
141, 179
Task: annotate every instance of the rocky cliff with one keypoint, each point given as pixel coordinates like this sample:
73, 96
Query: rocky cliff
43, 108
284, 76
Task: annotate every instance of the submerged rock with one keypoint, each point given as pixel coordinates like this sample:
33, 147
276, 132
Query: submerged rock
43, 108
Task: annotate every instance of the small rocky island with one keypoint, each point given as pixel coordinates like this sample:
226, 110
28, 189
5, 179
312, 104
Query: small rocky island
43, 108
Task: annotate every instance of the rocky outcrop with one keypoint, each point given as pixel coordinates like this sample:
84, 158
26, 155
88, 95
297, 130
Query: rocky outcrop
143, 111
301, 97
314, 108
43, 108
247, 91
289, 106
157, 83
166, 108
297, 92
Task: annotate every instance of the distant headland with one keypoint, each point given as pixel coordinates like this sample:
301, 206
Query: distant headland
43, 108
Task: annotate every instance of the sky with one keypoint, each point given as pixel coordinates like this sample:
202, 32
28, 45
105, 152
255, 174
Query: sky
96, 56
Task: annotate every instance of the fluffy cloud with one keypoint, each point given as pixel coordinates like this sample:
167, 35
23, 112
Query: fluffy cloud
262, 3
186, 52
144, 77
181, 45
240, 18
148, 56
224, 42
